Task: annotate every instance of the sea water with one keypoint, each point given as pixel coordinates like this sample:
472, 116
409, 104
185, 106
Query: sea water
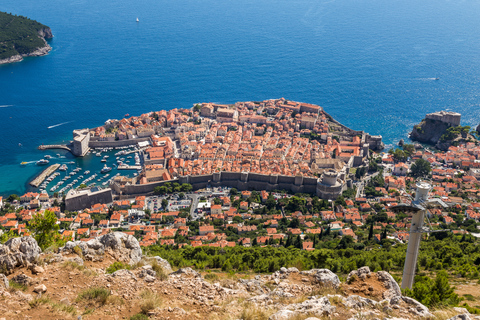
371, 64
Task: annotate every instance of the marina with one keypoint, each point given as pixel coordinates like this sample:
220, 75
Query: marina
74, 172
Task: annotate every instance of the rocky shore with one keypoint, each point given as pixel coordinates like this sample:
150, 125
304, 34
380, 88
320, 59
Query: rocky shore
45, 33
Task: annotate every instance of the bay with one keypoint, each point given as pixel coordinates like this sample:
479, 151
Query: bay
370, 64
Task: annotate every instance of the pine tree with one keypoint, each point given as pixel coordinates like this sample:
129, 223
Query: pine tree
370, 232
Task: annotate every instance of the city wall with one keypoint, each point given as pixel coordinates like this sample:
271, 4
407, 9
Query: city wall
87, 199
238, 180
117, 143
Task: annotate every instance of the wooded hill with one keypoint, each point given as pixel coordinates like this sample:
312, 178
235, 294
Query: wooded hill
20, 35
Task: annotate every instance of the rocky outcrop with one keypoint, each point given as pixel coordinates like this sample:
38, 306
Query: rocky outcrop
167, 268
45, 33
18, 252
120, 246
429, 131
324, 277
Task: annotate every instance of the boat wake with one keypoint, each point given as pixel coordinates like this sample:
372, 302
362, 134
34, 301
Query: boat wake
6, 105
56, 125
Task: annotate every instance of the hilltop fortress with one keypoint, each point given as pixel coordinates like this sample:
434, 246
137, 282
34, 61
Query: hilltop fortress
271, 144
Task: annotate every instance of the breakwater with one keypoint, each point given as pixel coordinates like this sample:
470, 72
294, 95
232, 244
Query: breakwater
45, 173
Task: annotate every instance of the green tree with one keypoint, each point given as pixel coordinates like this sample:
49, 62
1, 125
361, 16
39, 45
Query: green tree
421, 168
186, 187
44, 229
164, 203
13, 197
434, 293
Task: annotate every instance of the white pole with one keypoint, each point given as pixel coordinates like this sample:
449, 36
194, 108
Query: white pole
415, 236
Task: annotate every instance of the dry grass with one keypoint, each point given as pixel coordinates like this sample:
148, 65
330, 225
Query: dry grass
161, 275
253, 312
150, 301
71, 265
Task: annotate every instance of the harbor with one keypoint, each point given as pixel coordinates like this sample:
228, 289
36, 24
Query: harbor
98, 167
45, 173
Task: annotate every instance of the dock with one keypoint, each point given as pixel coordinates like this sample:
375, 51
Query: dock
45, 173
127, 167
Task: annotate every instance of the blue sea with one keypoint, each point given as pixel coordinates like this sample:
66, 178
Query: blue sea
371, 64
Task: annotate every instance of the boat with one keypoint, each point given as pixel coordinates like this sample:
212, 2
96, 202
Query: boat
42, 162
24, 163
63, 167
98, 154
71, 162
103, 160
138, 20
47, 156
106, 169
86, 172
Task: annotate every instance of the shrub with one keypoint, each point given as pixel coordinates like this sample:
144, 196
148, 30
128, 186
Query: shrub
211, 276
15, 286
95, 294
117, 265
39, 301
139, 316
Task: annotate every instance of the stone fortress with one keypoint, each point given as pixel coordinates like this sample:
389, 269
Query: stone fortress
449, 117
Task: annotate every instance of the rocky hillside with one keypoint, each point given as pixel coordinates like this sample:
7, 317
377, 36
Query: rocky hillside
80, 280
21, 37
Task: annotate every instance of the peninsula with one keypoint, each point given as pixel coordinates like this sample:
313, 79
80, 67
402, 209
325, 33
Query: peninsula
21, 37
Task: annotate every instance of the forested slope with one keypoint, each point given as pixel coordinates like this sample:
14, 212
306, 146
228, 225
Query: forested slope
20, 35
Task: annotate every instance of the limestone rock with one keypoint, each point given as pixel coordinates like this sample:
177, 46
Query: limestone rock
18, 252
76, 260
324, 277
316, 306
119, 245
41, 288
464, 316
360, 273
393, 289
187, 271
282, 315
37, 269
419, 309
4, 281
167, 268
123, 273
149, 278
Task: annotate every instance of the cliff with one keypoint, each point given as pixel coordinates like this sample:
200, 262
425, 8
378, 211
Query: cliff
429, 131
21, 37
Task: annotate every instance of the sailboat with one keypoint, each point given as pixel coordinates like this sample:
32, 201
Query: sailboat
138, 20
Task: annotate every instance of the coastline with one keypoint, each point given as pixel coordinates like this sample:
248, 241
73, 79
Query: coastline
43, 33
37, 53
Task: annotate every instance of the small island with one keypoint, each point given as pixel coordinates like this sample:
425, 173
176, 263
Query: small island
21, 37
